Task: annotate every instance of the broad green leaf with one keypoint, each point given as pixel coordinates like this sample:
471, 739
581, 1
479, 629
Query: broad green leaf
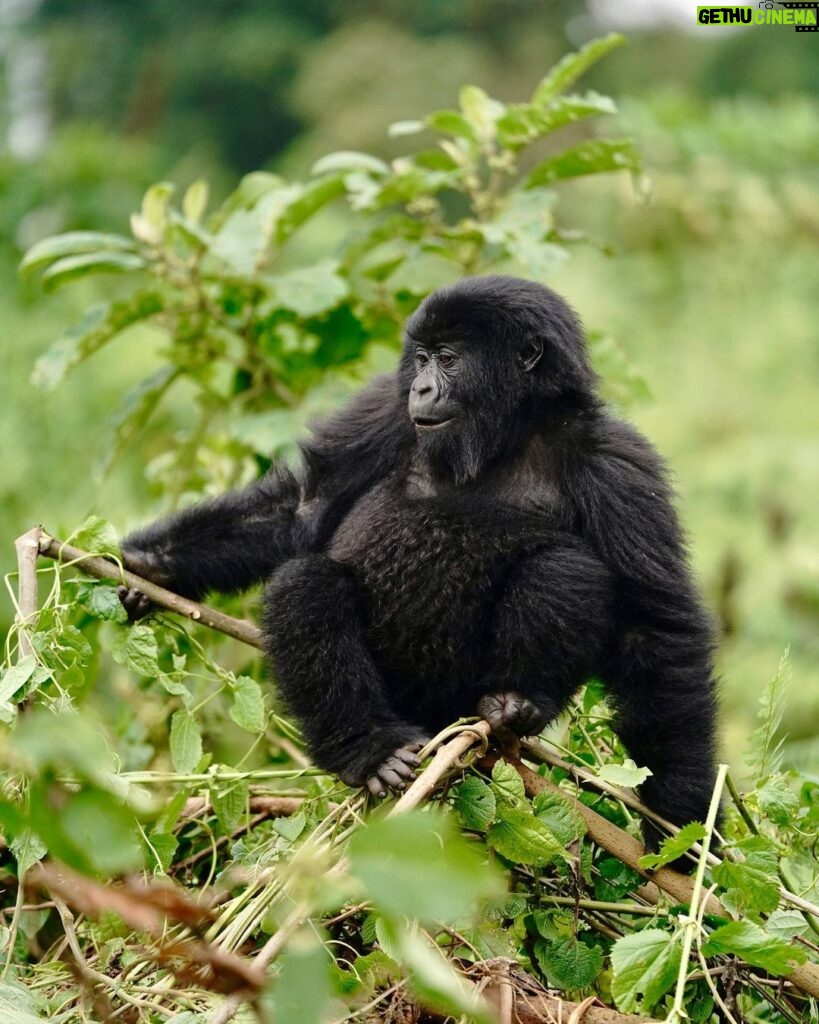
162, 847
243, 240
786, 924
752, 882
755, 946
314, 196
626, 774
134, 412
185, 742
422, 272
229, 801
28, 849
560, 816
475, 802
418, 865
567, 963
100, 325
645, 967
247, 709
65, 741
135, 647
573, 65
776, 800
291, 828
96, 535
522, 838
195, 200
301, 990
71, 267
73, 243
101, 601
595, 156
524, 123
507, 783
349, 160
16, 676
434, 979
102, 831
450, 122
308, 291
673, 847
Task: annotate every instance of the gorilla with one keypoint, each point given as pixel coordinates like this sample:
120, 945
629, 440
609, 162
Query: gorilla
473, 534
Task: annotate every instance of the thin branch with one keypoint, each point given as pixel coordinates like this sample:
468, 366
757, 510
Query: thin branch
105, 569
28, 546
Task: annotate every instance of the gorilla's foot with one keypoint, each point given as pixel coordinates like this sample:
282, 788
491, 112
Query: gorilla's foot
512, 713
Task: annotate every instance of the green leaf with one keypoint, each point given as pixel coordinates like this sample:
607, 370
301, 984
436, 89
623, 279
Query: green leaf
102, 831
350, 160
291, 828
134, 412
786, 924
595, 156
419, 866
100, 325
475, 802
163, 847
149, 224
135, 647
450, 122
248, 710
422, 272
101, 601
398, 128
755, 946
185, 742
507, 783
623, 383
626, 774
523, 839
313, 197
73, 243
195, 200
480, 110
645, 967
308, 291
301, 990
764, 753
28, 849
567, 963
229, 801
560, 816
71, 267
573, 65
16, 676
97, 536
752, 882
524, 123
673, 847
776, 800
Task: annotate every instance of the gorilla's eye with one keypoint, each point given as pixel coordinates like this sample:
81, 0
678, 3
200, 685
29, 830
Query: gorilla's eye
421, 358
446, 359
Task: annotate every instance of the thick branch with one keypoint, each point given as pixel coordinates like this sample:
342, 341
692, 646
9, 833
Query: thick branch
27, 549
104, 569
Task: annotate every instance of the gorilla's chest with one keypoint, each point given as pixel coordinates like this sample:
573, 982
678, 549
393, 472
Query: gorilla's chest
431, 572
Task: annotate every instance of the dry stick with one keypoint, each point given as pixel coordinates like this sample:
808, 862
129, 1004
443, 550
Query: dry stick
28, 547
629, 851
105, 569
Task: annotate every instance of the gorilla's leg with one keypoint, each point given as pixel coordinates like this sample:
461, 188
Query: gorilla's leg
551, 627
314, 629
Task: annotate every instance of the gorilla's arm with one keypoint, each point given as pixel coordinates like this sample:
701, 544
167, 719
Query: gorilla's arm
238, 539
659, 672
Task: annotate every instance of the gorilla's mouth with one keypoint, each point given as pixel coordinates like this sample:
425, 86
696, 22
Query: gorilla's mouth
428, 423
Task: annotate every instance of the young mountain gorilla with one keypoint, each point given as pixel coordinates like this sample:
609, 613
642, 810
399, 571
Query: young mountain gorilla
472, 535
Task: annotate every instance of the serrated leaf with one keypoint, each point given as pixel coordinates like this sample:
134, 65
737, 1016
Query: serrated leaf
73, 243
195, 200
163, 846
523, 839
560, 816
69, 268
100, 325
229, 801
764, 753
752, 883
573, 65
475, 802
135, 647
567, 963
627, 774
16, 676
786, 924
247, 709
308, 291
291, 828
673, 847
507, 783
645, 967
185, 742
28, 849
595, 156
524, 123
101, 601
755, 946
102, 832
98, 536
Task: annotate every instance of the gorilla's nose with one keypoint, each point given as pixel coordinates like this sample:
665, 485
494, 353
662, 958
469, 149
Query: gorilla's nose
423, 398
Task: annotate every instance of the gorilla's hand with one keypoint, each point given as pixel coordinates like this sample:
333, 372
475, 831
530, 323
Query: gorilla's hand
394, 773
513, 714
134, 602
147, 565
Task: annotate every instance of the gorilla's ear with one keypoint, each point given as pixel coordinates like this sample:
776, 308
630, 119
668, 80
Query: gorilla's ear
529, 354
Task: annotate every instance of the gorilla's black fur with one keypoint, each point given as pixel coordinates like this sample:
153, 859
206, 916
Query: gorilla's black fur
475, 534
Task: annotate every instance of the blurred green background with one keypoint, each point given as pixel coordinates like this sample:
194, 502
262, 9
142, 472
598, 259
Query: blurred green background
711, 286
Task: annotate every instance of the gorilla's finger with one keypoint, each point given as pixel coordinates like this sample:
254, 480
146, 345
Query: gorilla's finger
376, 787
408, 756
392, 778
399, 767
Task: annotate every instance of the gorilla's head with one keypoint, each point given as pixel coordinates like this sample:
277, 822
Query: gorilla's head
485, 362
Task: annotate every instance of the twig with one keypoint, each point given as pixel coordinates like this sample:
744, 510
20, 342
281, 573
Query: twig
28, 547
105, 569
